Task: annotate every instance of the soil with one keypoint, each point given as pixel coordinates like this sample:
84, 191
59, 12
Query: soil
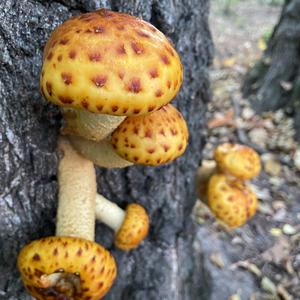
260, 260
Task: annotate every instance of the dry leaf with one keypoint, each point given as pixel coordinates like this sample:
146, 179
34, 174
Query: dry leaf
221, 120
268, 285
283, 293
217, 260
229, 62
278, 252
249, 266
262, 44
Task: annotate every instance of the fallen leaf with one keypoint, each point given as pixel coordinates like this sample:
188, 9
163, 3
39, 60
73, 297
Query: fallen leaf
229, 62
288, 229
250, 267
217, 260
268, 285
283, 293
220, 120
234, 297
262, 44
278, 251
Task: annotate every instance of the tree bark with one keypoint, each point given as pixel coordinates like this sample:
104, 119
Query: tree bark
274, 82
168, 265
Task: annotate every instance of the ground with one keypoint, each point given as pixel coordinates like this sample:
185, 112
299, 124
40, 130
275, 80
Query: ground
260, 260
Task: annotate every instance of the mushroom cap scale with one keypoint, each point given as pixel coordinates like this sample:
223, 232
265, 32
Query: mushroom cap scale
152, 139
231, 200
94, 265
237, 160
134, 228
110, 63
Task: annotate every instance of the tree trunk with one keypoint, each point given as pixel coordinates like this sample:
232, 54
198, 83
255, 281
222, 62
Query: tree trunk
274, 82
167, 265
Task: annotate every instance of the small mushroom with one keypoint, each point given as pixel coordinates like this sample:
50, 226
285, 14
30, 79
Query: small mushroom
231, 200
151, 139
70, 265
131, 226
106, 62
237, 160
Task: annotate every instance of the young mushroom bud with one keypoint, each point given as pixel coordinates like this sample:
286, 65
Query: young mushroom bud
231, 200
151, 139
106, 62
70, 265
131, 226
237, 160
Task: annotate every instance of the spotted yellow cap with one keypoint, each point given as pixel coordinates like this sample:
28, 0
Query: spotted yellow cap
152, 139
237, 160
110, 63
231, 200
66, 268
134, 228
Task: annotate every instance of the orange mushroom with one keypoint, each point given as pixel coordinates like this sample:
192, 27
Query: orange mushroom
105, 65
70, 265
231, 200
131, 226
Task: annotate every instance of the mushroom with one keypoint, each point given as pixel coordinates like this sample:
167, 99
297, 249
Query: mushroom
70, 265
131, 226
231, 200
237, 160
151, 139
104, 65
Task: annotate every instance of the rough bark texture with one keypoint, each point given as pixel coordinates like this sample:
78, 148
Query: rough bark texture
168, 265
274, 82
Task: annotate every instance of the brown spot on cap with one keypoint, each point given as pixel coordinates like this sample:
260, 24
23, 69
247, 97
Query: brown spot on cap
114, 108
67, 78
99, 107
121, 49
166, 147
174, 131
72, 54
125, 109
135, 85
151, 150
64, 41
49, 88
36, 257
85, 103
95, 56
153, 73
50, 55
148, 133
165, 59
158, 93
99, 80
169, 84
162, 132
79, 252
180, 147
136, 111
151, 108
137, 48
66, 100
59, 57
55, 252
136, 130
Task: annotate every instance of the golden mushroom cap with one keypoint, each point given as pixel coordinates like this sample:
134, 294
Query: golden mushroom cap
237, 160
231, 200
152, 139
134, 228
94, 265
110, 63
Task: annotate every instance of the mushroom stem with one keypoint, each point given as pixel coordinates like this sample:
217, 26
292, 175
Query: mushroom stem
89, 125
109, 213
100, 153
77, 194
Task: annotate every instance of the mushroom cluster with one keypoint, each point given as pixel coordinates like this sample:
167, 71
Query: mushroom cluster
223, 183
113, 76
